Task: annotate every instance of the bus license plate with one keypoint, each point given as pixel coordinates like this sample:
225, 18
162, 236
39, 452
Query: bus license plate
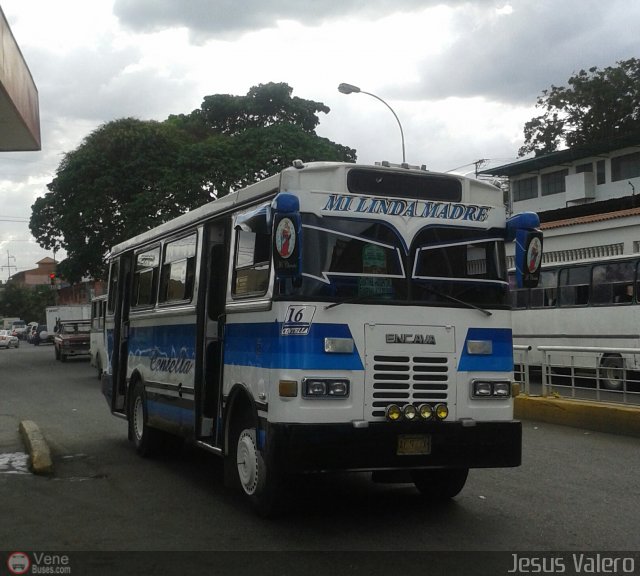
414, 445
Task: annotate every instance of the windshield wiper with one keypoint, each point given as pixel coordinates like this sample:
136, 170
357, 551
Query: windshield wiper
355, 300
454, 299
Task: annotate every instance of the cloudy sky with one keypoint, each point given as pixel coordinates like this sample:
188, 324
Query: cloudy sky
462, 76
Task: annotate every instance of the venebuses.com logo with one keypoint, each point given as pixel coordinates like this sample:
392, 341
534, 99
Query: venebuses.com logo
38, 563
18, 563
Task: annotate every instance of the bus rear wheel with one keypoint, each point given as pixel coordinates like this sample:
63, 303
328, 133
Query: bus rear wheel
253, 472
440, 484
613, 373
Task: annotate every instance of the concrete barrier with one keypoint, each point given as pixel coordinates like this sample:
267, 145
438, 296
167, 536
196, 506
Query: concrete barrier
598, 416
37, 448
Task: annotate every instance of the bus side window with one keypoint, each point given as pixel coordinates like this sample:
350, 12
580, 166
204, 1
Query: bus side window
145, 278
252, 257
545, 295
574, 286
613, 283
178, 270
114, 275
624, 295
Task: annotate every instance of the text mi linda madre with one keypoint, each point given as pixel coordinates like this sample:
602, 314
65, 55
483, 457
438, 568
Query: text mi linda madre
580, 562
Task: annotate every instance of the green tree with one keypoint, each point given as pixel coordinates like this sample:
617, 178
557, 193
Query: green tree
597, 105
25, 302
131, 175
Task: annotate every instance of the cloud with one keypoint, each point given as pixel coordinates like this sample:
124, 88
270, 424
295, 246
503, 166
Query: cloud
230, 18
512, 54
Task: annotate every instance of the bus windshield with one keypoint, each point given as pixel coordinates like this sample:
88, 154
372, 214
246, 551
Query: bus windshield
364, 260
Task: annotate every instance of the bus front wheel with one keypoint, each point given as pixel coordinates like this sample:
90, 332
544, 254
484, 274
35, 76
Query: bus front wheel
253, 473
440, 484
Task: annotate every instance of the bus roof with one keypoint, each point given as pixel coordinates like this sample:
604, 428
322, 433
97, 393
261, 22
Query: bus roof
486, 193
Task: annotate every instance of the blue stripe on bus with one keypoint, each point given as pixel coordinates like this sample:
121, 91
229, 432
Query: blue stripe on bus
262, 346
165, 411
501, 357
166, 339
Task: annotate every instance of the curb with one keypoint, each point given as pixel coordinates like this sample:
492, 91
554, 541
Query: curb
597, 416
39, 454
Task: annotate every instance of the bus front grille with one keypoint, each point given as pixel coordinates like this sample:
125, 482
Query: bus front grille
408, 380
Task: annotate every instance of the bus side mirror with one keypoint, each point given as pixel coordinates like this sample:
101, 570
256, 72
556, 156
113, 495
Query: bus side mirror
528, 257
287, 236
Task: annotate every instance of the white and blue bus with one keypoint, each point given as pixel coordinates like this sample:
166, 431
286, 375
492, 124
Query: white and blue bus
333, 317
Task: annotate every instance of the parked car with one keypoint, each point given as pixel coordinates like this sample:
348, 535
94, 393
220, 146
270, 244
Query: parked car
39, 335
8, 340
72, 338
19, 328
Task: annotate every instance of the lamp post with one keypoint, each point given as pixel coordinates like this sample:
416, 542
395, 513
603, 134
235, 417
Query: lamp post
351, 89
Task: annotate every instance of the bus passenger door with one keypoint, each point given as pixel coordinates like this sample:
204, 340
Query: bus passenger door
214, 278
118, 332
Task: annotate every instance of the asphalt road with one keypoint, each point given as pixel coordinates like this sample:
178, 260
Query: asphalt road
576, 490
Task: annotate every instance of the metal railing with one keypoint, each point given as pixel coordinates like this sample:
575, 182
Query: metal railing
588, 373
521, 368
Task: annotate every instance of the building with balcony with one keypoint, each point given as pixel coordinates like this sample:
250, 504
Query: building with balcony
587, 197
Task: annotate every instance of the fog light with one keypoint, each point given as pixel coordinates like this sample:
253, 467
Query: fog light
502, 389
441, 411
393, 412
425, 411
409, 412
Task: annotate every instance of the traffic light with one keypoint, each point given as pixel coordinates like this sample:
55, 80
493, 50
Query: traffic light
52, 278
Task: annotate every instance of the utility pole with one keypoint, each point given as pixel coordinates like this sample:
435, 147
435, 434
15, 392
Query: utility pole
479, 164
9, 265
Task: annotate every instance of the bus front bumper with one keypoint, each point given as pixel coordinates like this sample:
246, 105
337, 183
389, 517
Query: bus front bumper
302, 448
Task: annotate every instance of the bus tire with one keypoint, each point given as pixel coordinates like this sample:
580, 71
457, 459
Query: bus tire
440, 484
612, 368
251, 472
146, 440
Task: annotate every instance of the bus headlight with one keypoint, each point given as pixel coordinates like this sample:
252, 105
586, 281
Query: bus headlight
325, 388
502, 389
490, 389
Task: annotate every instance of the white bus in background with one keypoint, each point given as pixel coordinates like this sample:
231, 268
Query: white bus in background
589, 303
97, 347
333, 317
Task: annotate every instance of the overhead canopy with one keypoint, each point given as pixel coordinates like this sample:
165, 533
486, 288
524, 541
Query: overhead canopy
19, 107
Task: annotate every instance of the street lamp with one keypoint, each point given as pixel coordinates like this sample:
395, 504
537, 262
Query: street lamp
351, 89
